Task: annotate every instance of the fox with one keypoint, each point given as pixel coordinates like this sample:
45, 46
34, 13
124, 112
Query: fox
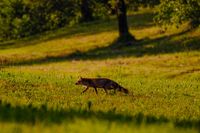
105, 83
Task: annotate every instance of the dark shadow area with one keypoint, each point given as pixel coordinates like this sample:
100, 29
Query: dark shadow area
147, 46
143, 21
30, 114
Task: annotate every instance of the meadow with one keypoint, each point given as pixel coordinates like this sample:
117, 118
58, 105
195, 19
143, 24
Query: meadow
161, 71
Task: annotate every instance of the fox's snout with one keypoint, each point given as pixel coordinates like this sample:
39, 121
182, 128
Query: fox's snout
126, 91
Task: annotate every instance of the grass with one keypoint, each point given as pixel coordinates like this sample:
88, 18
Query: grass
162, 72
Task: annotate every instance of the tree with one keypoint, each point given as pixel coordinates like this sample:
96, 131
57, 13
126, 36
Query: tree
86, 11
124, 34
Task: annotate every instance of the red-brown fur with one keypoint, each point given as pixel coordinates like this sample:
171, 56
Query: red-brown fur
104, 83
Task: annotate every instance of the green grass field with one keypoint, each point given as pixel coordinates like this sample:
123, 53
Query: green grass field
162, 72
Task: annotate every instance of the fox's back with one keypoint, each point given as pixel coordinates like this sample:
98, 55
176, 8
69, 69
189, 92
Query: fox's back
101, 82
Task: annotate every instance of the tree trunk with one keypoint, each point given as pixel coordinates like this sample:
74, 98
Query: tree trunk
86, 12
124, 34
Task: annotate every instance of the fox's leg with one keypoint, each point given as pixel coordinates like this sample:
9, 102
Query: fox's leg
110, 88
96, 90
105, 90
85, 90
114, 91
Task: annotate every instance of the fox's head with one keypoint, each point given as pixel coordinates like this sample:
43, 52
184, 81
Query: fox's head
126, 91
81, 81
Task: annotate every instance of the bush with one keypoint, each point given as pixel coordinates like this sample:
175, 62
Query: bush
21, 18
178, 11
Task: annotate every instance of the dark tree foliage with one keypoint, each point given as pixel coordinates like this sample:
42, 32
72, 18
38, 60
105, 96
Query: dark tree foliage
21, 18
135, 4
86, 11
93, 9
150, 3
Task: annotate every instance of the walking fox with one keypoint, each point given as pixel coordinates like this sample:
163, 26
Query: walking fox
104, 83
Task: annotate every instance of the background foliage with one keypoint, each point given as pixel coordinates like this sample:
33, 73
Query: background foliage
22, 18
178, 11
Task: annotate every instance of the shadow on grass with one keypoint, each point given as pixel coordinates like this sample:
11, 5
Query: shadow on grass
30, 114
143, 21
147, 46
